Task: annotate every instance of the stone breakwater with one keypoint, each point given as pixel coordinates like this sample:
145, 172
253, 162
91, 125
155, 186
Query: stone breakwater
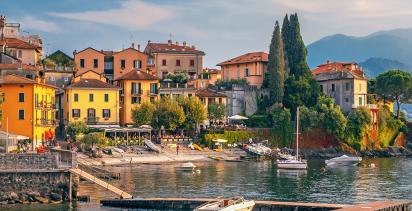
35, 187
28, 161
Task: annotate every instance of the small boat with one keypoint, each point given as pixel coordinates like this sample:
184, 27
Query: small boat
217, 158
257, 149
343, 160
189, 166
234, 160
296, 162
233, 204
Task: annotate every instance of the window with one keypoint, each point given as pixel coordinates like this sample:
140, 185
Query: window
91, 97
333, 87
360, 87
192, 63
66, 79
347, 86
108, 65
20, 54
137, 64
76, 113
164, 62
177, 62
95, 63
246, 71
21, 114
321, 87
360, 101
136, 89
153, 88
52, 78
220, 100
21, 97
106, 113
36, 99
81, 62
135, 100
76, 97
150, 61
106, 97
122, 63
347, 100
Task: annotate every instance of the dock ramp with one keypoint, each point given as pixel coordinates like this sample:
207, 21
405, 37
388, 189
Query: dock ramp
101, 183
152, 146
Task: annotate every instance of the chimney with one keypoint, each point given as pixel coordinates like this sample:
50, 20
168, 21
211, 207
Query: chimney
194, 47
138, 47
169, 42
149, 41
2, 24
177, 43
327, 61
74, 52
132, 44
184, 43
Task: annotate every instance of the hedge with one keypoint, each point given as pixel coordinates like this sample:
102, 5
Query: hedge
230, 136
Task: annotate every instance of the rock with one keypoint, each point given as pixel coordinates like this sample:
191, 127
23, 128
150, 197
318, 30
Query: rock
55, 197
32, 193
41, 199
13, 196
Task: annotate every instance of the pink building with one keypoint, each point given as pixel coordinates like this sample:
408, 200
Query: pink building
250, 66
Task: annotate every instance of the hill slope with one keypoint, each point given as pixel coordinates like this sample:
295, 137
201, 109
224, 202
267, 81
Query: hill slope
375, 66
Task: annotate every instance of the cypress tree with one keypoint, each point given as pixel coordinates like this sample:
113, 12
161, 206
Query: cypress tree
276, 67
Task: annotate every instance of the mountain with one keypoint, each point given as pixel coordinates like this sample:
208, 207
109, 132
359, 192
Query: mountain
375, 66
393, 45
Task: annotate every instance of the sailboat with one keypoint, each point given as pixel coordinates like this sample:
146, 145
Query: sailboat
296, 162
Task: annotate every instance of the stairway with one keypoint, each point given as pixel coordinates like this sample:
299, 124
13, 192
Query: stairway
101, 183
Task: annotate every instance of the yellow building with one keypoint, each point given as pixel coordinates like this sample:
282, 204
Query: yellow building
29, 108
92, 101
136, 87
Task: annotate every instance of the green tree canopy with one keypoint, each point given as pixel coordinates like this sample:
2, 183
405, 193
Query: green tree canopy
194, 110
359, 120
59, 58
395, 85
76, 128
334, 121
168, 113
180, 78
216, 112
143, 114
276, 68
282, 124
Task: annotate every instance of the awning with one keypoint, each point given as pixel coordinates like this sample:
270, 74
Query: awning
219, 140
237, 117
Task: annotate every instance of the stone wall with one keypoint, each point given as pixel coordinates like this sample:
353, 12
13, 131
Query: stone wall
29, 161
43, 187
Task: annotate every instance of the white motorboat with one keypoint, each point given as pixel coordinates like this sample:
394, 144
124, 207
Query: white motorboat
343, 160
189, 166
233, 204
258, 149
296, 162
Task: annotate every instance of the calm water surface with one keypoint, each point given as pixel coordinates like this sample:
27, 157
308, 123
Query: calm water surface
389, 180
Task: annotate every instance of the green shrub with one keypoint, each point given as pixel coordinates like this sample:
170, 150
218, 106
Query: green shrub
258, 121
230, 136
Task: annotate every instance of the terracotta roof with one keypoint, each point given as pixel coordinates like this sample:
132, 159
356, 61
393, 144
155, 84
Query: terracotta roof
172, 48
15, 79
90, 49
337, 66
339, 75
214, 71
247, 58
17, 66
108, 53
92, 84
79, 73
209, 93
136, 74
17, 43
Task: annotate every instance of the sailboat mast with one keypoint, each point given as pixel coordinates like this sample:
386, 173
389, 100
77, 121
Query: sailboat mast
297, 133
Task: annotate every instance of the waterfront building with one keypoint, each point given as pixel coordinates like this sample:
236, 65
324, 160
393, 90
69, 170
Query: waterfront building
12, 65
214, 75
92, 101
136, 86
345, 82
250, 66
29, 108
90, 59
89, 74
174, 91
127, 60
169, 58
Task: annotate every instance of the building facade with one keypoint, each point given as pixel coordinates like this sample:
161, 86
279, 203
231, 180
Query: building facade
250, 66
28, 108
136, 87
345, 82
169, 58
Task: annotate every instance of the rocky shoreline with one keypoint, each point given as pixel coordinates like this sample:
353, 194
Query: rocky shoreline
32, 197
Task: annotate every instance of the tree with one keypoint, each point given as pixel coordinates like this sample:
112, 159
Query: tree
302, 91
334, 122
179, 78
143, 114
76, 128
281, 121
359, 120
309, 118
276, 67
216, 112
194, 111
168, 113
395, 85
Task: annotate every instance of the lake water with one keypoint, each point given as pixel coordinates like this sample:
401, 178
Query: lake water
389, 180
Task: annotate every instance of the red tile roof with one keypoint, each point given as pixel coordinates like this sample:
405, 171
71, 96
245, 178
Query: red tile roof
247, 58
15, 79
17, 66
172, 48
136, 74
17, 43
92, 84
79, 73
337, 66
209, 93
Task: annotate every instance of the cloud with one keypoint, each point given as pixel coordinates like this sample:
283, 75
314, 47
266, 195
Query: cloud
31, 22
132, 15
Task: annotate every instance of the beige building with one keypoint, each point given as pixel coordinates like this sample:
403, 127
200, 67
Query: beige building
344, 82
169, 58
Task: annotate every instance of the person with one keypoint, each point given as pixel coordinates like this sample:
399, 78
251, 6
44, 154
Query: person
177, 149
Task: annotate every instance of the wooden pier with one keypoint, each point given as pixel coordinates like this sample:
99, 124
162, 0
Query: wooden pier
190, 204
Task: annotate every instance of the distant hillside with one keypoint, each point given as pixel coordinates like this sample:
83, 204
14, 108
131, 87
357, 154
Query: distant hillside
393, 45
375, 66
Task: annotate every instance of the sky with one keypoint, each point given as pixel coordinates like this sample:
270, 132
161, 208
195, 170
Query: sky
223, 29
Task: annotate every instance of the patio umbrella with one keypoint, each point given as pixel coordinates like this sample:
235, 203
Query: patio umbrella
220, 140
237, 117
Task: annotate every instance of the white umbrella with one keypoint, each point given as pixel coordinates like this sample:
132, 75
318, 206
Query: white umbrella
220, 140
237, 117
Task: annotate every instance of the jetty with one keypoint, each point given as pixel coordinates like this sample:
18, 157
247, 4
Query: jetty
190, 204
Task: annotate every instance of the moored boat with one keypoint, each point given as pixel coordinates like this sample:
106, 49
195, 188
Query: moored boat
343, 160
233, 204
186, 166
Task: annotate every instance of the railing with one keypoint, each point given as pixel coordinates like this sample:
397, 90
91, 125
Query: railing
152, 92
92, 120
46, 122
137, 92
65, 158
46, 105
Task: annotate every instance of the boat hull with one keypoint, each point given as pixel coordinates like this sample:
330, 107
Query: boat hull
292, 165
347, 161
243, 206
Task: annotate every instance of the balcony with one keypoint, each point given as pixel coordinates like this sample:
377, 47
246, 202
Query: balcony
137, 92
46, 122
45, 105
91, 120
152, 92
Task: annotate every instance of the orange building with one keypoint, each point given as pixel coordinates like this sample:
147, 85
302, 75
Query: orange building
89, 59
169, 58
128, 59
29, 108
250, 66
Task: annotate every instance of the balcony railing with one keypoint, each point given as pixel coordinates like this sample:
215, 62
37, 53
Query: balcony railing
91, 120
46, 122
152, 92
137, 92
46, 105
